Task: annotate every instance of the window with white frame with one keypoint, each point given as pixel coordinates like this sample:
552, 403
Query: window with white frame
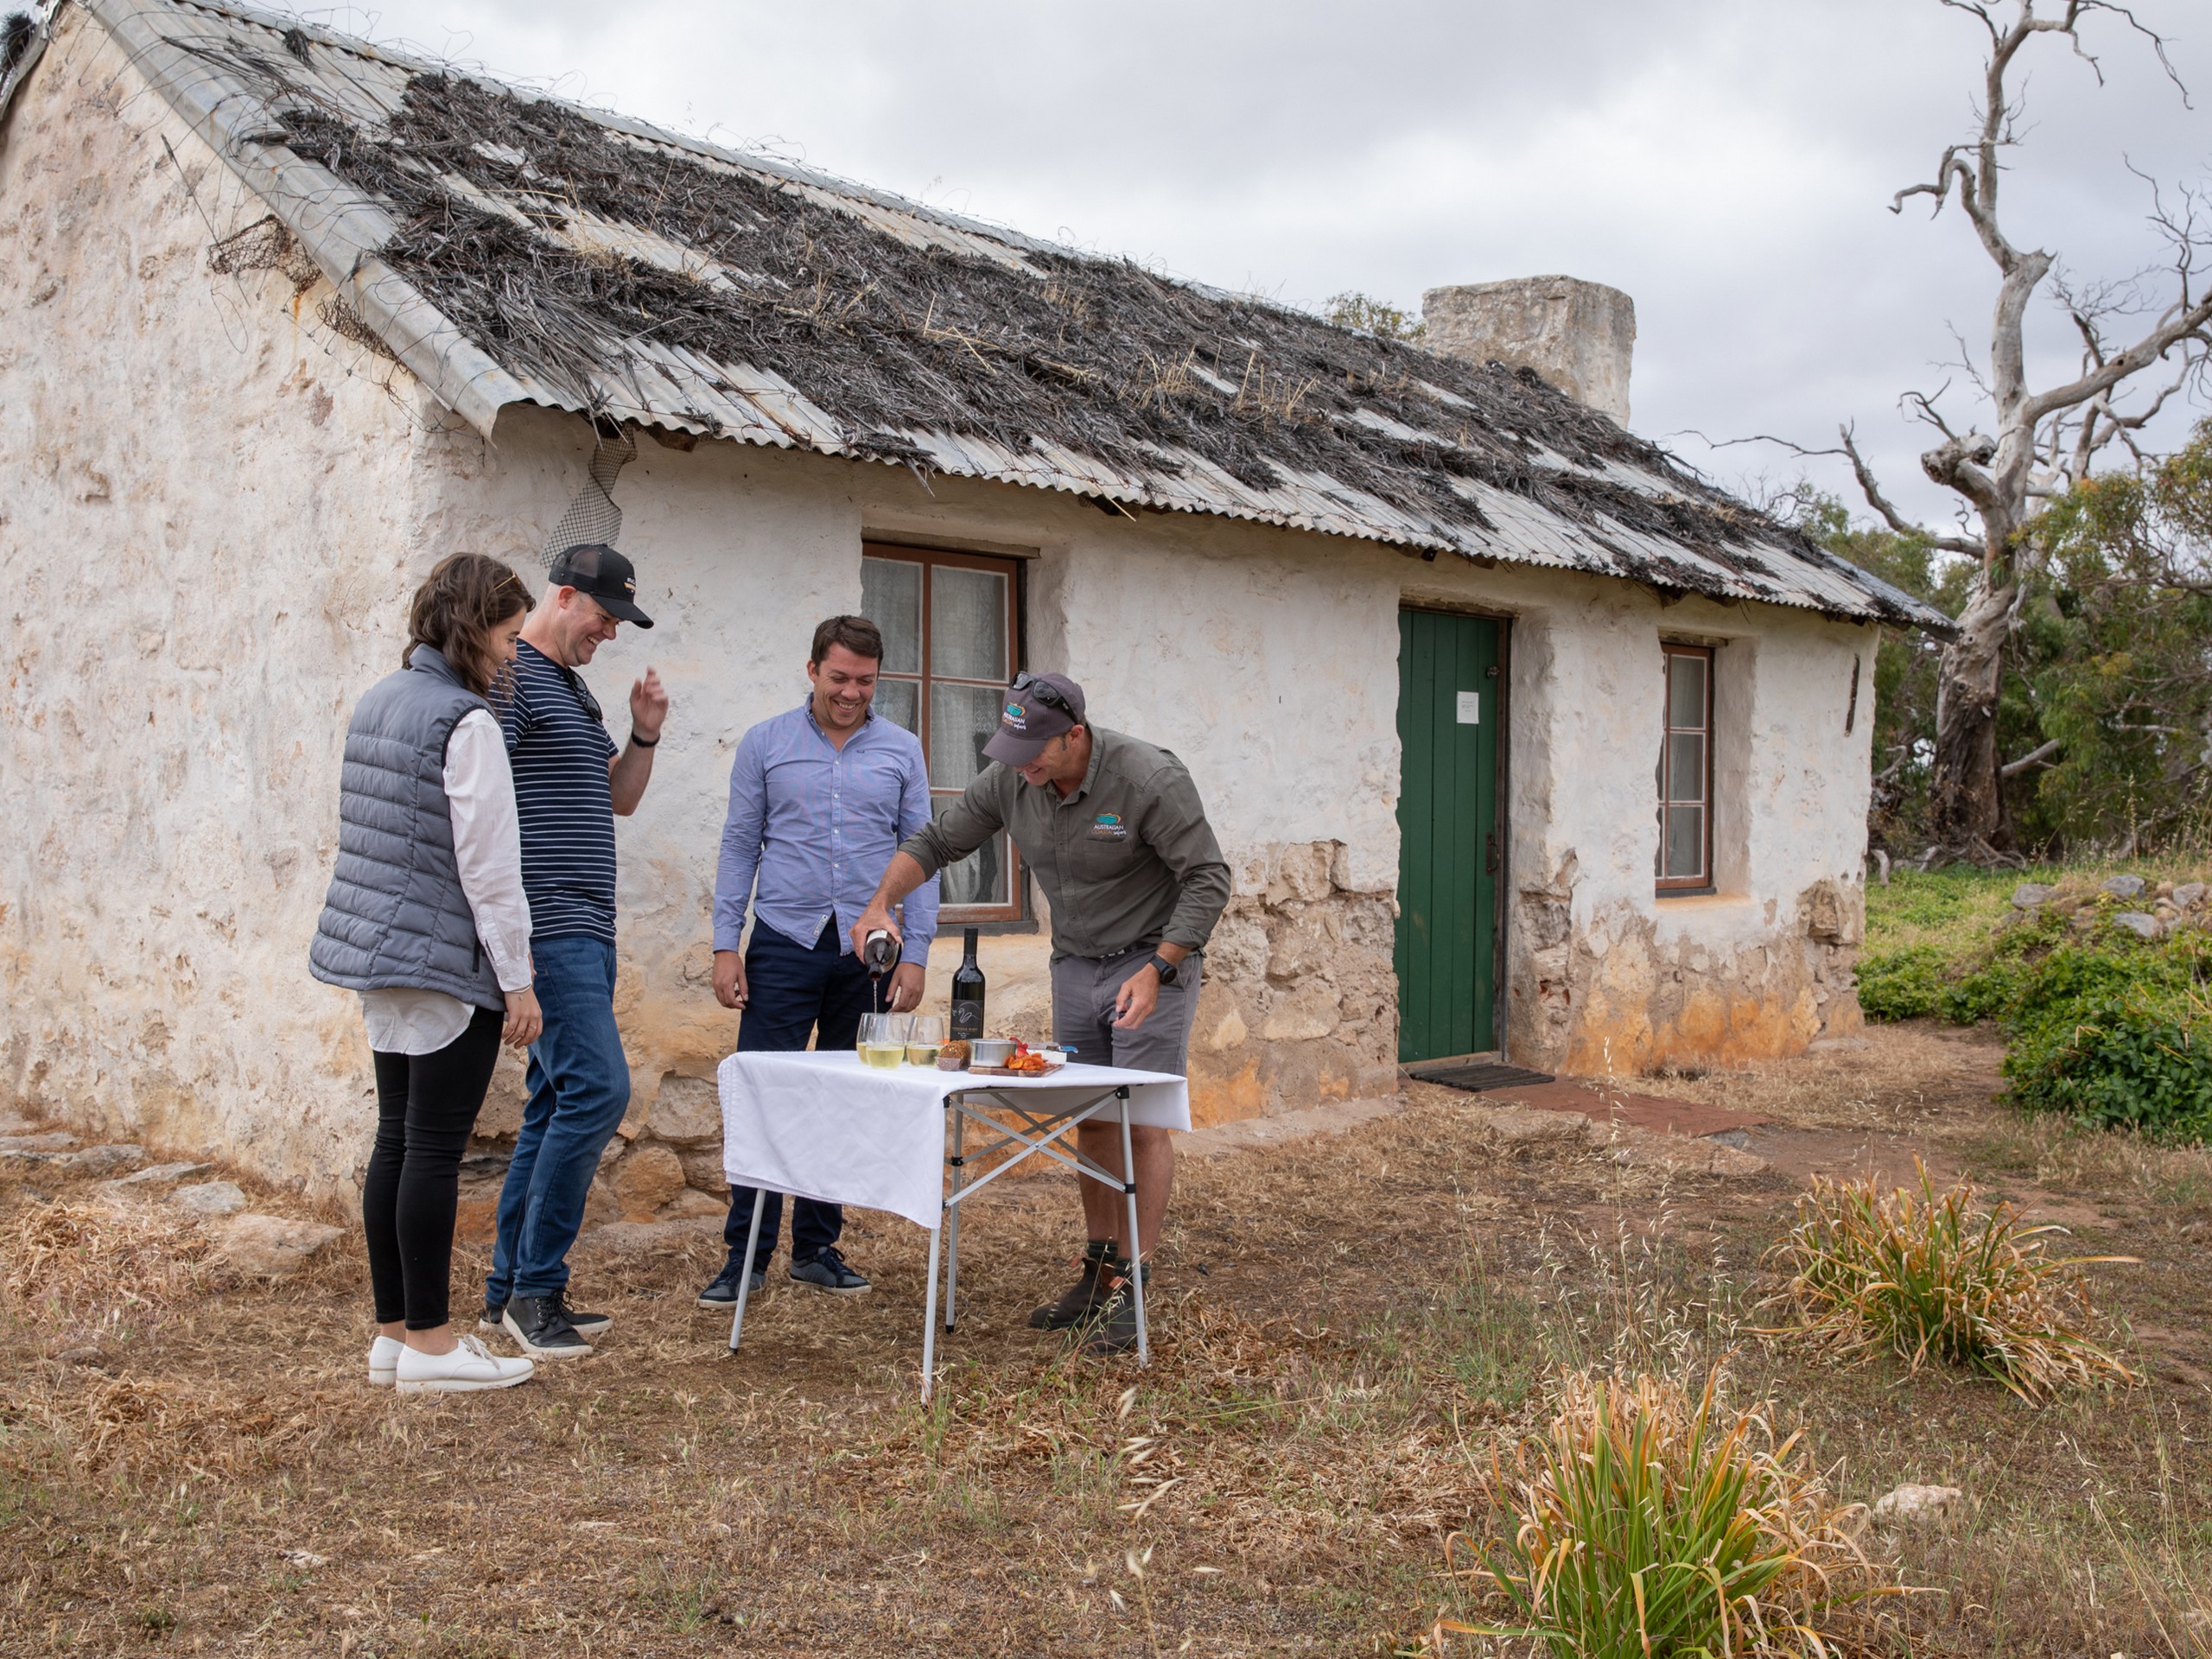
1685, 772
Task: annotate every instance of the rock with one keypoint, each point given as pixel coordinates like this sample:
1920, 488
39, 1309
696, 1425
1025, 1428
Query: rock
209, 1199
1914, 1503
649, 1176
2123, 887
94, 1358
2029, 894
271, 1247
2164, 890
2165, 912
688, 1111
2143, 926
1302, 1015
305, 1558
691, 1204
155, 1173
703, 1171
2188, 895
98, 1160
37, 1145
626, 1236
1675, 1154
1836, 1045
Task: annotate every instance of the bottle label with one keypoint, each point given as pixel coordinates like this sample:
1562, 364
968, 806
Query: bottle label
967, 1019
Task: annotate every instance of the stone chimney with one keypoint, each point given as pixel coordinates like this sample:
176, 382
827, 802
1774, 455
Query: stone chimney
1578, 335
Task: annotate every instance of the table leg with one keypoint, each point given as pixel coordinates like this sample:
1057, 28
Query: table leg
1136, 1245
745, 1279
929, 1315
952, 1219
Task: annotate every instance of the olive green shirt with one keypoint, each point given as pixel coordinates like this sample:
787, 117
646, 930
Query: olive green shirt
1127, 860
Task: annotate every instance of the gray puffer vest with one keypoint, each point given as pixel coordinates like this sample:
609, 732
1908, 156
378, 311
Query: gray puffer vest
396, 917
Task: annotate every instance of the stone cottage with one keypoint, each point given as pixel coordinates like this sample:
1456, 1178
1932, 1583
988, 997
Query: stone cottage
1521, 737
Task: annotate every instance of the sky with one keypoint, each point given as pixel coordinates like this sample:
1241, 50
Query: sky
1728, 163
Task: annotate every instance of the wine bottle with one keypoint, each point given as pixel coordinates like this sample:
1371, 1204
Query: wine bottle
968, 992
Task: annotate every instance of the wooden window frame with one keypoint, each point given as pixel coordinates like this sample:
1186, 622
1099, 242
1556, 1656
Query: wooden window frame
932, 557
1683, 886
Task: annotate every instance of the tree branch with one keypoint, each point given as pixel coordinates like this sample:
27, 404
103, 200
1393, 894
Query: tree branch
2035, 756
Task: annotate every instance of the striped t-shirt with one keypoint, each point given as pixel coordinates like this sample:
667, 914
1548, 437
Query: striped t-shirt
559, 749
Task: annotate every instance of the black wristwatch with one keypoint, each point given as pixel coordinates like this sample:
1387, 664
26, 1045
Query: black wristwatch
1164, 968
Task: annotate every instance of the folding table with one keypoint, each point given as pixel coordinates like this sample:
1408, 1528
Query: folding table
825, 1126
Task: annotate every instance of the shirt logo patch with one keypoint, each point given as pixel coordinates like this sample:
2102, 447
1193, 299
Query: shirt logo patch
1108, 826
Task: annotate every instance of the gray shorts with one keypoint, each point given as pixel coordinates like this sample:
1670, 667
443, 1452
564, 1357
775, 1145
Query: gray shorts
1084, 988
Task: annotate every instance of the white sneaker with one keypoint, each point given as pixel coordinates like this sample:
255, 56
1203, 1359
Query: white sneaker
384, 1360
468, 1367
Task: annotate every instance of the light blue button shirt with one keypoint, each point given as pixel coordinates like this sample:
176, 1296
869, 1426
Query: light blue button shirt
813, 826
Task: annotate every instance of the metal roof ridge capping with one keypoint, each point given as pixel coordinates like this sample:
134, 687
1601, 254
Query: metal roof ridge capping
508, 246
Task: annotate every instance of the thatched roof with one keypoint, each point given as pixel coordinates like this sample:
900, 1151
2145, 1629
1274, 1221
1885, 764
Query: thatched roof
509, 247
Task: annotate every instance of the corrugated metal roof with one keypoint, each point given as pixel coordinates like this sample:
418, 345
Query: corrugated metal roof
1464, 459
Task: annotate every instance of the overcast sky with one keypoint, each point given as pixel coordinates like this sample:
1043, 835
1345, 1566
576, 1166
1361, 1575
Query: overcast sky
1729, 163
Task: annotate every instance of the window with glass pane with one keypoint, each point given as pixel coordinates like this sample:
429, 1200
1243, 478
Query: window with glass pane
948, 633
1685, 770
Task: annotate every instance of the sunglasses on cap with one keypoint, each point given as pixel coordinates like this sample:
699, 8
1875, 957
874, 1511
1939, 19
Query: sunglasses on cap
1038, 689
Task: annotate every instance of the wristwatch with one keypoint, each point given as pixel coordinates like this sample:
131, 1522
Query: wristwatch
1164, 968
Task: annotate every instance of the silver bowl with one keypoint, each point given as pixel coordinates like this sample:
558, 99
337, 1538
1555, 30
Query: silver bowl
989, 1050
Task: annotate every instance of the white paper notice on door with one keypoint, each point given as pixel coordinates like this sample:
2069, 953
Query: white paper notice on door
1471, 707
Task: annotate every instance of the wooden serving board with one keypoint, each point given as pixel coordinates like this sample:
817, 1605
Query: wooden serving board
1009, 1071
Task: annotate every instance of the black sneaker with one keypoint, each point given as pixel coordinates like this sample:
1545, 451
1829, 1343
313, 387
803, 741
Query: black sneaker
723, 1291
535, 1323
828, 1271
494, 1317
1082, 1299
585, 1325
1113, 1329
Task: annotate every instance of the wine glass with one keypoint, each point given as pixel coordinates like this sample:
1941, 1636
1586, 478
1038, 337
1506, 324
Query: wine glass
925, 1037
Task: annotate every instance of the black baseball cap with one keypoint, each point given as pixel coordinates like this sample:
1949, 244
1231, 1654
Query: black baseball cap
1038, 707
608, 577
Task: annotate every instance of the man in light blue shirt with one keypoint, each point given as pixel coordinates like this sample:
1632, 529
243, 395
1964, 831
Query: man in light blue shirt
819, 800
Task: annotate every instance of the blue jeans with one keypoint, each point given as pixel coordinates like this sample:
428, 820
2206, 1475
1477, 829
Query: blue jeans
792, 993
579, 1085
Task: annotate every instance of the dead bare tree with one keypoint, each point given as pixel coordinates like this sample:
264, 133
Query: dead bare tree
2045, 441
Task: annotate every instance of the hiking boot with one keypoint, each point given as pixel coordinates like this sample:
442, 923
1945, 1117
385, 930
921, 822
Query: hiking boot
1113, 1329
535, 1323
1083, 1297
723, 1294
828, 1271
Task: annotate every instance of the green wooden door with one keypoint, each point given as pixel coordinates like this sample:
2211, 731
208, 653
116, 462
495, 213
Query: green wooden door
1450, 843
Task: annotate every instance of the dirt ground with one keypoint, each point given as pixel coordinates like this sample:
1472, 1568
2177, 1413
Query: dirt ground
1347, 1327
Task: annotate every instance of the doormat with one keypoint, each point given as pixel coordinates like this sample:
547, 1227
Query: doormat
1478, 1076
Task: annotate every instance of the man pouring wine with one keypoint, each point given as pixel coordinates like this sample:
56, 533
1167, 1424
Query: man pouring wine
1114, 831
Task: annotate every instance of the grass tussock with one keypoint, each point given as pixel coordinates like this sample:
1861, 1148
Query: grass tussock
1648, 1520
1934, 1277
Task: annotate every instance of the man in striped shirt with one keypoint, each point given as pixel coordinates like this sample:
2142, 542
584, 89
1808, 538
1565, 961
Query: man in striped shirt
570, 781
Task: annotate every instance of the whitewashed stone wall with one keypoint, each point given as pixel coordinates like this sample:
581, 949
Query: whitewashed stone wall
222, 508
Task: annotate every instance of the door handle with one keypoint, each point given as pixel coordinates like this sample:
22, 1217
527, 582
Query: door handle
1489, 854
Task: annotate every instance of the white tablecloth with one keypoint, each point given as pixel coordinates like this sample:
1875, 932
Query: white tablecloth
825, 1126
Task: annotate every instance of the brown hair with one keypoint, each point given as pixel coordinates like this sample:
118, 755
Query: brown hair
464, 596
856, 633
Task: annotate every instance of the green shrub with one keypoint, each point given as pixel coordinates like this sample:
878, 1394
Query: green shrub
1904, 984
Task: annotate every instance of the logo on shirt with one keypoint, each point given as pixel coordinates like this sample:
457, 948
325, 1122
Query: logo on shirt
1016, 718
1108, 826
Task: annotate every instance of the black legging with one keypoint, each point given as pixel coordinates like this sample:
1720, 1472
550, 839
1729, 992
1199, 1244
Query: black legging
426, 1106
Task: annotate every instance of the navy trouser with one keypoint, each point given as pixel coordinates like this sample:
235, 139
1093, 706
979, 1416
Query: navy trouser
579, 1085
792, 993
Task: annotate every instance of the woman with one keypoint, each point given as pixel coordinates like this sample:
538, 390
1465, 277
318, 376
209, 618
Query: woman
426, 919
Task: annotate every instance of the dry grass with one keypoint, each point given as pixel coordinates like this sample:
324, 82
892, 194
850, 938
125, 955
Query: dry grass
1348, 1330
1934, 1276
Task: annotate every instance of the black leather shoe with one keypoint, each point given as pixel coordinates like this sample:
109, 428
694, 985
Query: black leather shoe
536, 1323
1082, 1299
723, 1294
